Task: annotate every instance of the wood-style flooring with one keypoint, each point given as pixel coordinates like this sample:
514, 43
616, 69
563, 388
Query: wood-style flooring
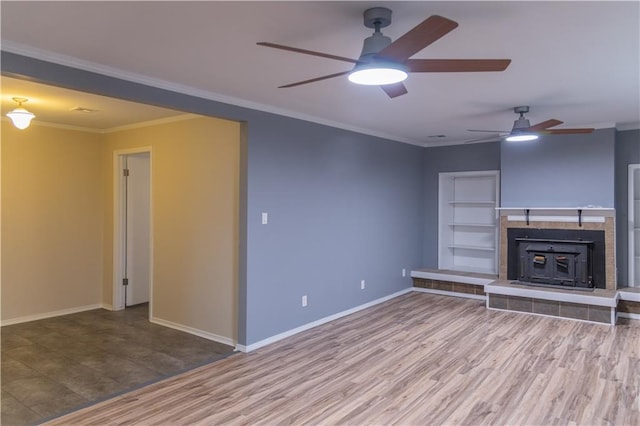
419, 359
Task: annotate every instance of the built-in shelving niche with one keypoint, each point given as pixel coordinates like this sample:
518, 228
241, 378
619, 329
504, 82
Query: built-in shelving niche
634, 225
467, 221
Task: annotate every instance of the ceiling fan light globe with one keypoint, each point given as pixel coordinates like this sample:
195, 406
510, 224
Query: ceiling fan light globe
377, 76
21, 118
521, 137
377, 73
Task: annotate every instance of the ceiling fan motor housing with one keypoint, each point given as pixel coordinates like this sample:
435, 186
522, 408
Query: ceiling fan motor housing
372, 45
521, 124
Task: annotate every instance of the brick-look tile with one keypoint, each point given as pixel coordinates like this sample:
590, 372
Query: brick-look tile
574, 310
600, 314
629, 307
464, 288
546, 307
422, 283
442, 285
521, 304
498, 301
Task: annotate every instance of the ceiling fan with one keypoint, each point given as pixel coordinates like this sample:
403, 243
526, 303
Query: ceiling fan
381, 56
523, 130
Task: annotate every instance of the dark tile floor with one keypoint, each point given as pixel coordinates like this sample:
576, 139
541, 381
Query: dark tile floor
55, 365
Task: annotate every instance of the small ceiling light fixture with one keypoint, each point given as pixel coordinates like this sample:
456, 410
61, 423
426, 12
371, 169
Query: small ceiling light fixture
521, 137
377, 73
20, 117
371, 70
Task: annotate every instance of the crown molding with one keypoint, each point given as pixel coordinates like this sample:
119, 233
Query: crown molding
70, 61
628, 126
149, 123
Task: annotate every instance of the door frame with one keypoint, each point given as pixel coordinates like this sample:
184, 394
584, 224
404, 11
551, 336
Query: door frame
119, 215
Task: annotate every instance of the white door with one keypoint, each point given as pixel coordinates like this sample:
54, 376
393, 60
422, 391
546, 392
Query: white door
138, 197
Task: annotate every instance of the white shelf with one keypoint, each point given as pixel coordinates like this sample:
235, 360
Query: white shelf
466, 247
479, 203
467, 221
473, 225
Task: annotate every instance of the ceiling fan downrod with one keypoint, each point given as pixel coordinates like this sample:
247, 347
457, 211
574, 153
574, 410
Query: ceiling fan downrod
376, 18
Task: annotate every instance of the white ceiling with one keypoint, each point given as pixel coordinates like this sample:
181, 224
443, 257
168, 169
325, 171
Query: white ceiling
578, 62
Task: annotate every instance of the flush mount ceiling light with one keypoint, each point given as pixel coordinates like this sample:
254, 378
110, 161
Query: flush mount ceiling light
20, 117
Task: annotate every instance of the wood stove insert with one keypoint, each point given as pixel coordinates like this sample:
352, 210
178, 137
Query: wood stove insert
568, 259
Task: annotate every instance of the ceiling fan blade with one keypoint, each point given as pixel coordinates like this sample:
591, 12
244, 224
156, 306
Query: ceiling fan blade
421, 36
306, 52
489, 131
566, 131
313, 80
457, 65
495, 137
394, 90
544, 125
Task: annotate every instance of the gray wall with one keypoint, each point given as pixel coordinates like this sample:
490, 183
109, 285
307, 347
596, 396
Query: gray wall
559, 171
627, 151
457, 158
342, 206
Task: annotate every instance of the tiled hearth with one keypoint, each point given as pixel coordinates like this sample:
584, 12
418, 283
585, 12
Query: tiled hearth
596, 305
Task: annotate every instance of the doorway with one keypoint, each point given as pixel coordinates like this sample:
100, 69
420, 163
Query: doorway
132, 202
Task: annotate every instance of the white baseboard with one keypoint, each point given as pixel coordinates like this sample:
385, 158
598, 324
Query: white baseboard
629, 315
51, 314
194, 331
107, 306
288, 333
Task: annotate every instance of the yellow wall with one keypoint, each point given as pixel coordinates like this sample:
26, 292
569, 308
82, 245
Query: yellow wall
52, 220
57, 220
195, 174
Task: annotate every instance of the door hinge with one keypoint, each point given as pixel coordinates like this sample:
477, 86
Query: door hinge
125, 172
125, 281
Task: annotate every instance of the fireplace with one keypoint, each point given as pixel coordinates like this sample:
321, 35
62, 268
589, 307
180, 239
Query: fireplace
564, 263
571, 259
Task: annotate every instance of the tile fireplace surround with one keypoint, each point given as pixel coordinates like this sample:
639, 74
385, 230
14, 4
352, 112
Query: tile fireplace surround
574, 218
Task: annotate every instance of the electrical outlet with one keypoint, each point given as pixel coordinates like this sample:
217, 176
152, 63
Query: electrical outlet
362, 284
404, 272
304, 300
265, 218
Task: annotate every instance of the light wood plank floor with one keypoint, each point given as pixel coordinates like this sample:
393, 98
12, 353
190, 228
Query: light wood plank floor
418, 359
